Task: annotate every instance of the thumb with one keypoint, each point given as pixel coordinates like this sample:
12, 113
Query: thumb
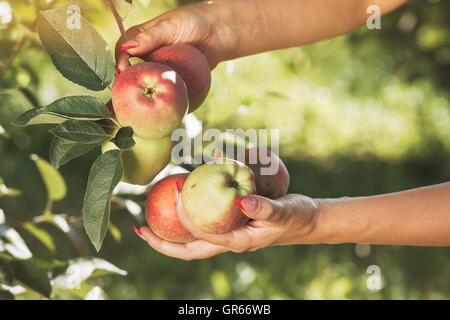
257, 207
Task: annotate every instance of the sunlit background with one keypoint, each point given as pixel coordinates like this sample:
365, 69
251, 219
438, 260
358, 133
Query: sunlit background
361, 114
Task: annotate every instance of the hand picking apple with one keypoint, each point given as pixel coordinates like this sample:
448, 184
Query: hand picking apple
224, 30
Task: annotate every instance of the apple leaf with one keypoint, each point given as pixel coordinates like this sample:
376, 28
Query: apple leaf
29, 275
86, 132
54, 182
81, 269
77, 50
105, 174
124, 138
62, 151
75, 107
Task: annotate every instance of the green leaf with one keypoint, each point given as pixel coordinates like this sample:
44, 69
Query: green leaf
54, 182
81, 269
41, 234
78, 53
105, 174
6, 272
74, 107
62, 151
13, 243
10, 192
27, 274
86, 132
124, 138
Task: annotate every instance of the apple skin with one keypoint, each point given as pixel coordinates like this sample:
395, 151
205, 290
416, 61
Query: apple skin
151, 98
270, 186
160, 210
210, 192
191, 65
145, 160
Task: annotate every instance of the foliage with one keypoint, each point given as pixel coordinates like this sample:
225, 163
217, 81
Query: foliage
362, 114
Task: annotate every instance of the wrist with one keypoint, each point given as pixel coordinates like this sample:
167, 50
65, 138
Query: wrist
330, 221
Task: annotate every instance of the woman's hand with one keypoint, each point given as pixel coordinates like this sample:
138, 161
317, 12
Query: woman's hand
202, 25
275, 222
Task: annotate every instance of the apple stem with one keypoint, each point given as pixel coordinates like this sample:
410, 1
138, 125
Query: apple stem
118, 18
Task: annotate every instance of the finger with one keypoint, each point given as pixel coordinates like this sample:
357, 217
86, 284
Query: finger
143, 40
197, 249
259, 208
122, 56
238, 240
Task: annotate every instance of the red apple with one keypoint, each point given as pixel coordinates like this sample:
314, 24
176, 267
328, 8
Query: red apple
271, 175
191, 65
151, 98
160, 210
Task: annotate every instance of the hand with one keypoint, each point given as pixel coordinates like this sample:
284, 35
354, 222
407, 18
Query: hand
199, 25
275, 222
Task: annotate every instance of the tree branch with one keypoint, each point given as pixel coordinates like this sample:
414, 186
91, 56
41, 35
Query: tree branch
12, 56
117, 17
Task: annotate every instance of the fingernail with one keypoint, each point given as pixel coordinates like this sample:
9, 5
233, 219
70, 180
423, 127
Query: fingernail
248, 204
139, 233
129, 45
117, 71
178, 186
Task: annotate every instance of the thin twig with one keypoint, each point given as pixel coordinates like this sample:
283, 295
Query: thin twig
12, 56
117, 17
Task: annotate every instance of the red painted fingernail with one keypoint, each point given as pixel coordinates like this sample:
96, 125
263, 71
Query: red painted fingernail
125, 48
117, 71
129, 45
248, 204
218, 154
178, 187
139, 233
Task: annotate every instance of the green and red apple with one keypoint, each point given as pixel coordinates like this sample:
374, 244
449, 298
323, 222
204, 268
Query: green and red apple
145, 160
210, 192
151, 98
191, 65
160, 210
271, 175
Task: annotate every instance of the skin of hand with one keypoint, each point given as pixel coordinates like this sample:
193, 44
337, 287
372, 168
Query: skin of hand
275, 222
228, 29
414, 217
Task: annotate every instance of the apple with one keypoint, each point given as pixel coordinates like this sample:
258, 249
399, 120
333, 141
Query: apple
210, 192
151, 98
272, 184
145, 160
191, 65
160, 209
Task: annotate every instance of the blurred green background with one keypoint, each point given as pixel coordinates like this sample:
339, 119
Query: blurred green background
362, 114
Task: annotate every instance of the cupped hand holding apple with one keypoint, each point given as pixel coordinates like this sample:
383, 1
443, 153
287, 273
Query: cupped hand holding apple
287, 220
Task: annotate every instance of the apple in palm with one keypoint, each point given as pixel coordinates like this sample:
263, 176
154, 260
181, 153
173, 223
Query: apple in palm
151, 98
210, 192
191, 65
160, 211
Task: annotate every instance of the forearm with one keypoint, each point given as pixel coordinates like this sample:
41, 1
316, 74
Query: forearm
414, 217
264, 25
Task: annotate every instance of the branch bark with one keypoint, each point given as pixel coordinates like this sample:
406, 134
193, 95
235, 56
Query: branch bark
117, 17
